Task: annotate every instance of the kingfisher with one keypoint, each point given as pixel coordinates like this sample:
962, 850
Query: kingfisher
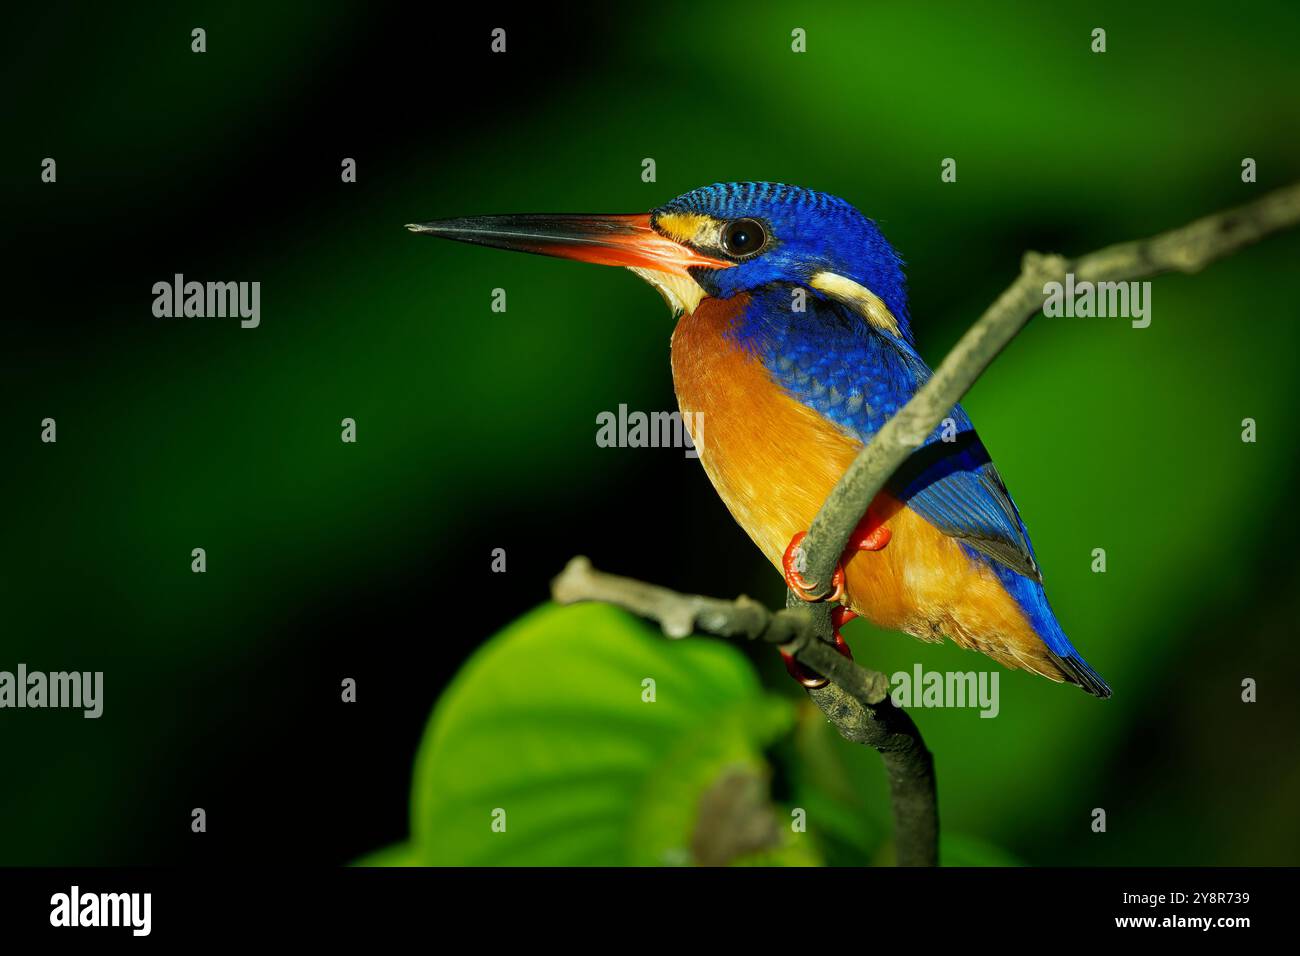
794, 345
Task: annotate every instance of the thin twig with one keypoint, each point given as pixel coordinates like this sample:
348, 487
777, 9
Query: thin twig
680, 615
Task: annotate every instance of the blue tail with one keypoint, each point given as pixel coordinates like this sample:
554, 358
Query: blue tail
1031, 597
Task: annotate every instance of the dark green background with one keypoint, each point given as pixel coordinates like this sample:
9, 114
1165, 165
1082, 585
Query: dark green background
476, 429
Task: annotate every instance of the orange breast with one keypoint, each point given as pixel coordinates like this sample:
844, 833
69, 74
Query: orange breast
773, 461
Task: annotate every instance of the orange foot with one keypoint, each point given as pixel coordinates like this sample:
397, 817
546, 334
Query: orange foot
870, 535
810, 678
792, 563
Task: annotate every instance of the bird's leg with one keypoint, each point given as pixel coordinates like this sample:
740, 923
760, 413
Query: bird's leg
870, 535
810, 678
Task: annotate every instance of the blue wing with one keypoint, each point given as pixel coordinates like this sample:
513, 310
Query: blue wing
859, 380
952, 484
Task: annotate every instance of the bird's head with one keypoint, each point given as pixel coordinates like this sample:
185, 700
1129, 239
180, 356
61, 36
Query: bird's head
719, 241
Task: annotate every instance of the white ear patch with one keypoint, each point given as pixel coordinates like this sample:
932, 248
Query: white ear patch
858, 297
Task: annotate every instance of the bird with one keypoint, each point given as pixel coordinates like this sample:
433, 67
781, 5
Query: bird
793, 343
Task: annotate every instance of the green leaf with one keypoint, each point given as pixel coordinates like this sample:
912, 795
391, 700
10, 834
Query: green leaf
399, 854
546, 728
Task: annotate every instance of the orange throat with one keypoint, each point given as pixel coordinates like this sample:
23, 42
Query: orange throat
772, 460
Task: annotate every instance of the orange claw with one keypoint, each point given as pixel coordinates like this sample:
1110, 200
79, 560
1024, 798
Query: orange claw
794, 577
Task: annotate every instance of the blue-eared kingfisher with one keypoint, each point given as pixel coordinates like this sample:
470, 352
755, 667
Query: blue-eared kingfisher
794, 346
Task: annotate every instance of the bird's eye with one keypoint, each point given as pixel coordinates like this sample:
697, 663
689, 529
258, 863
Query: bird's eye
740, 237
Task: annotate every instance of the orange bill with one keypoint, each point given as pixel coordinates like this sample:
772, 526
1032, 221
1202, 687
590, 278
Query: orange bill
607, 240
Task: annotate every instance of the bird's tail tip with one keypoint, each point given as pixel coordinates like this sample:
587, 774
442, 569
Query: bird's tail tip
1078, 671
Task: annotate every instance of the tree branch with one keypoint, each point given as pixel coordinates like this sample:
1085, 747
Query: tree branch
681, 615
856, 699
